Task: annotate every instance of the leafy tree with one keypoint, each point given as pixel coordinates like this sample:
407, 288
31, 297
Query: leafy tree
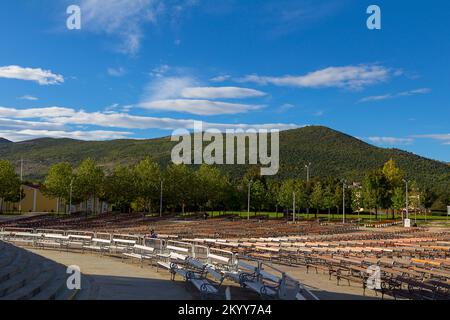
120, 188
88, 181
317, 197
179, 186
211, 185
375, 193
58, 180
398, 199
147, 177
286, 194
9, 183
328, 198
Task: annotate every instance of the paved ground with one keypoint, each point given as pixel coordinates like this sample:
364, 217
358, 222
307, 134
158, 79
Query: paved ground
5, 217
326, 289
112, 279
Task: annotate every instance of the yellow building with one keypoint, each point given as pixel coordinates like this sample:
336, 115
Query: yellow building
35, 201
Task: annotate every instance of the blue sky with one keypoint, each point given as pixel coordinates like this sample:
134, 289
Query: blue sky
142, 68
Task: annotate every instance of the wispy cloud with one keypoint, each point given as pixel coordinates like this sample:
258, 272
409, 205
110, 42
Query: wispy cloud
28, 134
351, 77
220, 93
221, 78
43, 77
395, 95
59, 119
444, 138
390, 141
29, 98
127, 19
199, 107
116, 72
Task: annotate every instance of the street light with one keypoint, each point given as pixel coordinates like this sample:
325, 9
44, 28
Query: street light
307, 166
293, 206
248, 200
161, 200
21, 182
406, 200
344, 185
70, 196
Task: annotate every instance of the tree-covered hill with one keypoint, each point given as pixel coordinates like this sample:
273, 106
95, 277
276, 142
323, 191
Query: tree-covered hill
331, 153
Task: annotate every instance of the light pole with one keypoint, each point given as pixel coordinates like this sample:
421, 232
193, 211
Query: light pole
406, 200
70, 196
21, 181
307, 166
344, 185
248, 200
161, 200
293, 206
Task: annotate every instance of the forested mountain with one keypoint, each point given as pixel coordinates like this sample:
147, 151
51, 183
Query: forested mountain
331, 153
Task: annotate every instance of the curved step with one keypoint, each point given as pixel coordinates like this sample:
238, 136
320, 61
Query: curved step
56, 287
14, 268
30, 271
34, 286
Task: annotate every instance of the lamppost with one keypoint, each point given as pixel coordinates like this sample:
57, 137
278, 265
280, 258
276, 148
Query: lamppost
21, 181
248, 200
307, 166
70, 196
161, 200
344, 185
293, 206
407, 198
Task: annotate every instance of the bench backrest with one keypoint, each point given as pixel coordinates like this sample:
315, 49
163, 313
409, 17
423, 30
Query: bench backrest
269, 276
195, 263
104, 241
216, 275
175, 255
179, 249
144, 248
247, 266
219, 258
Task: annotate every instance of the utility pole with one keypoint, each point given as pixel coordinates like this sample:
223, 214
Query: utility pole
307, 166
248, 200
20, 189
293, 206
161, 200
406, 200
344, 185
70, 196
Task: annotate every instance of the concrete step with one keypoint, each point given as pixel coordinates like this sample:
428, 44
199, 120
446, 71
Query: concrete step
6, 258
35, 286
15, 267
85, 291
29, 272
56, 288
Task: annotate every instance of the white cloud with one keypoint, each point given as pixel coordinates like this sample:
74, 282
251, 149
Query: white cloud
445, 138
127, 19
28, 97
28, 134
391, 141
43, 77
116, 72
396, 95
220, 78
220, 92
199, 107
57, 118
167, 88
352, 77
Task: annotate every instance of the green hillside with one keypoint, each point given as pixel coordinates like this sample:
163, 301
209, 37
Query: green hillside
331, 153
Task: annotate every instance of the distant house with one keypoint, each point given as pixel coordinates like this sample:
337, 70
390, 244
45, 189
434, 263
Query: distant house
36, 201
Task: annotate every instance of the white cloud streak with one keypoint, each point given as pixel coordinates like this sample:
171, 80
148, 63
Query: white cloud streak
391, 141
43, 77
220, 93
396, 95
351, 77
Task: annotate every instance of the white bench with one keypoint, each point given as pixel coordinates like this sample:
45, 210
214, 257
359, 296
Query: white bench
141, 253
121, 244
102, 245
205, 287
220, 259
244, 271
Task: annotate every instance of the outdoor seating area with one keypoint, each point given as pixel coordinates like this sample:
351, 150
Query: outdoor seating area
204, 268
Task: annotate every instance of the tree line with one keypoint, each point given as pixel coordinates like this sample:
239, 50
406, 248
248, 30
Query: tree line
139, 188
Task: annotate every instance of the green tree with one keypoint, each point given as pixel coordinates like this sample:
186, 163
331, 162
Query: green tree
375, 191
10, 186
147, 177
286, 194
211, 185
58, 180
317, 198
179, 186
328, 198
120, 188
88, 182
398, 199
